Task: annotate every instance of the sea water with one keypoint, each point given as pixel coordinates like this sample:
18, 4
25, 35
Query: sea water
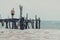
43, 25
50, 24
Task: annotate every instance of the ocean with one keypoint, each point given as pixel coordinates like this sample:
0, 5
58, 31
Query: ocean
43, 25
50, 24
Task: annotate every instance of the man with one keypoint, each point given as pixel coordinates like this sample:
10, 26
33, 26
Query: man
12, 12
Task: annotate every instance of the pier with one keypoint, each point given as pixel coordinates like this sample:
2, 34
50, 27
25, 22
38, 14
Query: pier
23, 22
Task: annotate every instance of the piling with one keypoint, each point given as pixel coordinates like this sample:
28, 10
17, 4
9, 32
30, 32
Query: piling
36, 21
14, 23
21, 18
2, 23
39, 22
32, 23
22, 23
9, 25
21, 7
26, 21
26, 24
6, 24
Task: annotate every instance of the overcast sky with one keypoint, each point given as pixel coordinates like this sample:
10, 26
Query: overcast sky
45, 9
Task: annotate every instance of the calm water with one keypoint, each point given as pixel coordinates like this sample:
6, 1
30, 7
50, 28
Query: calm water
45, 25
50, 24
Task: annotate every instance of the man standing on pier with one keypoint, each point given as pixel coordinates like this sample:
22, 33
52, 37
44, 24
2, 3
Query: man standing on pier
12, 14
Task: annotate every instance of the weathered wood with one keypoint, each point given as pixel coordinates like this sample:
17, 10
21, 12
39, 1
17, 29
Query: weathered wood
9, 26
6, 24
39, 23
22, 23
36, 22
32, 23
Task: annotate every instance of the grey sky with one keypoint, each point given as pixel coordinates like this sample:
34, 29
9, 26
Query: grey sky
45, 9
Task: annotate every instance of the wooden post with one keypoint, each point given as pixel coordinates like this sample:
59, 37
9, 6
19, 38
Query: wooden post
15, 25
9, 25
36, 21
6, 24
26, 24
22, 23
32, 23
21, 7
12, 25
12, 22
26, 21
39, 23
2, 23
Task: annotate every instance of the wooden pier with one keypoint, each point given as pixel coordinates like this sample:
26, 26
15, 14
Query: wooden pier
23, 23
15, 20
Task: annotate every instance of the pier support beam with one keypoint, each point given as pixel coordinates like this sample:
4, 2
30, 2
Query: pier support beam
12, 24
26, 25
39, 23
36, 22
15, 25
32, 23
22, 23
9, 25
26, 21
6, 24
2, 23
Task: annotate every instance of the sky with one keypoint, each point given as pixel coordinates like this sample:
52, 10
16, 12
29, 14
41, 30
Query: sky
45, 9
